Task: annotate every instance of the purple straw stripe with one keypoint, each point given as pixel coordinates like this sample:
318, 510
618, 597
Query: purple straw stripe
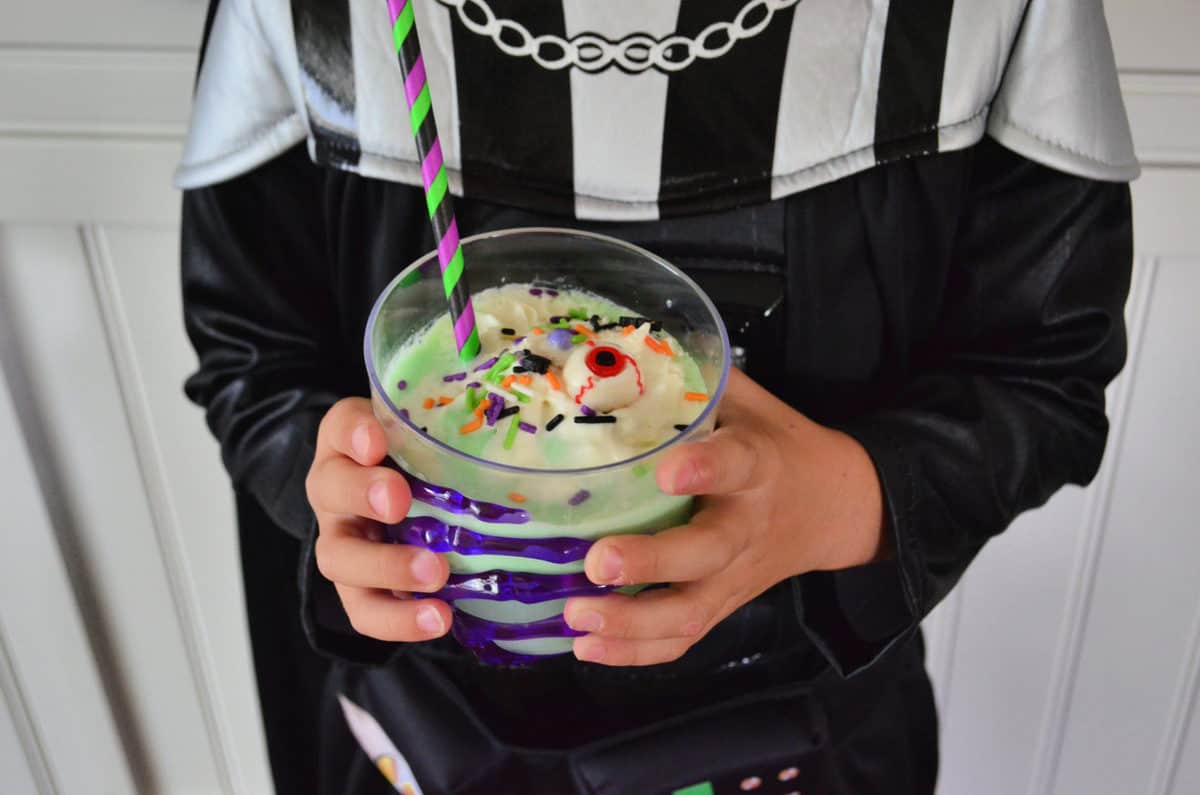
395, 7
430, 166
449, 242
415, 82
464, 325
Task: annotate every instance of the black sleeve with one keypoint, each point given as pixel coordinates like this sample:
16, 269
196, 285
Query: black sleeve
1007, 406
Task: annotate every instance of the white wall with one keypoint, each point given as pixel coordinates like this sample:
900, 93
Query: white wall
1067, 662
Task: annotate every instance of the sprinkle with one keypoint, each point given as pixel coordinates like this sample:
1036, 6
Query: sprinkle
401, 385
536, 330
558, 318
403, 414
511, 435
625, 332
552, 379
578, 338
428, 404
508, 412
560, 338
524, 379
472, 398
588, 411
454, 377
534, 291
445, 401
658, 346
516, 496
518, 340
471, 426
637, 321
508, 381
483, 406
424, 429
554, 421
639, 470
521, 395
494, 408
528, 428
534, 363
595, 321
475, 384
698, 397
580, 497
578, 314
502, 364
487, 364
520, 369
599, 419
681, 427
552, 293
582, 329
508, 332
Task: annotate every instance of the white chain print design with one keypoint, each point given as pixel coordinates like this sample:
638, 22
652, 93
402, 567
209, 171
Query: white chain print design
635, 53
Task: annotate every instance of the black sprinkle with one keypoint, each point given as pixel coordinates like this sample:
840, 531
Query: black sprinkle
599, 419
519, 369
626, 320
553, 423
508, 332
607, 326
508, 412
681, 427
534, 363
424, 429
595, 322
558, 318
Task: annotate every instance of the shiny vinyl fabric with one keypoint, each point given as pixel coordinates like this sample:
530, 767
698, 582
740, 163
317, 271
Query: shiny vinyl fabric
958, 314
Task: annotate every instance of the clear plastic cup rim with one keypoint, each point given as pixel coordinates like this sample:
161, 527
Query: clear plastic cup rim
710, 406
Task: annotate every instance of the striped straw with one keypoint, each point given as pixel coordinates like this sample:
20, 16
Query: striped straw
433, 174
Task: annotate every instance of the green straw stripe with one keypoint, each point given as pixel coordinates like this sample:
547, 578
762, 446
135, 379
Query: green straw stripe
403, 25
471, 347
454, 269
420, 109
437, 191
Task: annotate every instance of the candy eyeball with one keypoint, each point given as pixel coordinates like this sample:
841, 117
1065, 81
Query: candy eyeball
602, 377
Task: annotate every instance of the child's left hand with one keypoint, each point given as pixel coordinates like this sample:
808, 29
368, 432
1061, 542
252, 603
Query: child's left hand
783, 496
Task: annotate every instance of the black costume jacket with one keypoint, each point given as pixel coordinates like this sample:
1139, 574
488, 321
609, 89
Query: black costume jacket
958, 313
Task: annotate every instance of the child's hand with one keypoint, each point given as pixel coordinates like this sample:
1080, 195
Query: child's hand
349, 494
785, 496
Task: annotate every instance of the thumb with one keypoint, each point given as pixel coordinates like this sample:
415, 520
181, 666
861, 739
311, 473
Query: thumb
727, 462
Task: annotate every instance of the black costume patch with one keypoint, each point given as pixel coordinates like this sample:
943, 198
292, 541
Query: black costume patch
323, 45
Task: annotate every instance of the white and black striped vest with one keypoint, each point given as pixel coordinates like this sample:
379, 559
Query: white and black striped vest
636, 109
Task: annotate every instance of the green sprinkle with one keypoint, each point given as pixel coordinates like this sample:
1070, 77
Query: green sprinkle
578, 338
639, 470
472, 398
521, 396
500, 366
578, 314
560, 324
512, 431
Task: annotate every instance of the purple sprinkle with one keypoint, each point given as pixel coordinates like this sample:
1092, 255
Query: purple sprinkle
561, 338
552, 293
535, 291
493, 412
401, 385
488, 364
403, 413
580, 497
475, 385
587, 411
454, 377
518, 340
525, 426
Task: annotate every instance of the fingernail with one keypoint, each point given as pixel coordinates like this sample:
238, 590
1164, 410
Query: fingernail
425, 567
378, 498
686, 479
587, 622
590, 651
429, 620
360, 442
611, 565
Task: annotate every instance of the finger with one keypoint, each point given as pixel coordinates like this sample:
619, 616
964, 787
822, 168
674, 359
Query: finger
380, 615
729, 461
616, 652
350, 428
680, 554
677, 612
347, 559
339, 485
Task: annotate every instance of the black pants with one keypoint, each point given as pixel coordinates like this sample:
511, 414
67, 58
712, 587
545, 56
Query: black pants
876, 733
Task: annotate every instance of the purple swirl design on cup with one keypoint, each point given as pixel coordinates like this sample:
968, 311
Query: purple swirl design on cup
437, 536
508, 586
456, 502
472, 631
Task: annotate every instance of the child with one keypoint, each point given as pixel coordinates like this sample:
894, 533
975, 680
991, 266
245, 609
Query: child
914, 221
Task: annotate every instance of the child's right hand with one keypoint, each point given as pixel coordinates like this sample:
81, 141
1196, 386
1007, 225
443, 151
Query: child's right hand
351, 495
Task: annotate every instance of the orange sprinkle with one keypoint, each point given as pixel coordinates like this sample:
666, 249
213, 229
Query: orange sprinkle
537, 331
625, 332
428, 404
445, 401
508, 381
524, 379
472, 426
658, 346
699, 397
516, 496
582, 329
483, 406
553, 379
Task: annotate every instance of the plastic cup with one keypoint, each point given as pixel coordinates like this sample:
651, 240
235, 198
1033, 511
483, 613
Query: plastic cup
516, 537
